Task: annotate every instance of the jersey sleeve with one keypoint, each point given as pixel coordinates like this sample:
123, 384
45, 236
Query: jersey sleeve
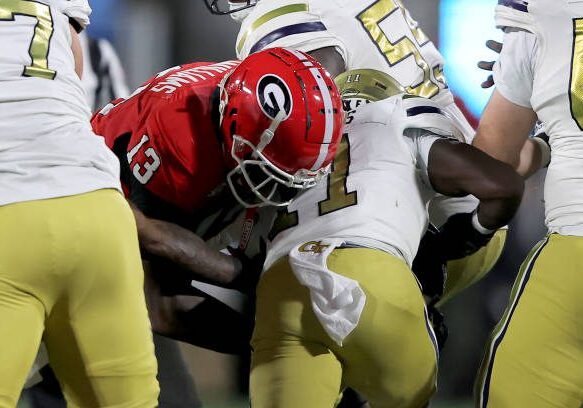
513, 13
77, 10
422, 113
281, 23
420, 142
514, 70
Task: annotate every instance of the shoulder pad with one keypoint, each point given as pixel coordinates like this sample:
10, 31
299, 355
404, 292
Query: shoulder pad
422, 113
281, 23
514, 13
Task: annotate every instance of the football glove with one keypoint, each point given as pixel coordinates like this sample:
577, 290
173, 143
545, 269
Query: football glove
459, 238
437, 319
430, 265
251, 268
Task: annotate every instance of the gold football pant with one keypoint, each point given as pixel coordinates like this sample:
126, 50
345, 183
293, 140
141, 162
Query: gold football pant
390, 357
463, 273
535, 356
70, 272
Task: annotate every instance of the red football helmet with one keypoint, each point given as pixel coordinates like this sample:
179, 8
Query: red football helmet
282, 120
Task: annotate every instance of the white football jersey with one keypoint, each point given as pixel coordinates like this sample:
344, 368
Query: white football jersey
369, 34
47, 148
542, 68
376, 195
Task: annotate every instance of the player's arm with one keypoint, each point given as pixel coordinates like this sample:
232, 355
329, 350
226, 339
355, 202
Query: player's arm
77, 51
509, 118
458, 169
190, 253
174, 305
503, 133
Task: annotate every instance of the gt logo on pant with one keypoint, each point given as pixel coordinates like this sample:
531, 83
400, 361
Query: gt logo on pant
315, 247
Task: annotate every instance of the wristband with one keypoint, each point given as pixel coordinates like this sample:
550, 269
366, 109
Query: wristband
479, 227
545, 150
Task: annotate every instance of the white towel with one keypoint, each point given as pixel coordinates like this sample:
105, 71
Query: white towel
337, 301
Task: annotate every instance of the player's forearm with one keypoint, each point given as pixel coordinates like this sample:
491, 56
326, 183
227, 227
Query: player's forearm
504, 129
497, 212
188, 251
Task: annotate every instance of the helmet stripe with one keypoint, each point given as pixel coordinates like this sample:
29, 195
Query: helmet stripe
328, 109
329, 118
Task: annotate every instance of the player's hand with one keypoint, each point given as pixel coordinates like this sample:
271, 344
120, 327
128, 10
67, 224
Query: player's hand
430, 265
251, 268
489, 65
437, 319
459, 238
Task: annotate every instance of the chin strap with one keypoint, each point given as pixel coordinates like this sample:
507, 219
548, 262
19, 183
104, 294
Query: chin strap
267, 135
247, 228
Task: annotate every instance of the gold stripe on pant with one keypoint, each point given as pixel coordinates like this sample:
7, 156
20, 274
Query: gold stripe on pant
534, 358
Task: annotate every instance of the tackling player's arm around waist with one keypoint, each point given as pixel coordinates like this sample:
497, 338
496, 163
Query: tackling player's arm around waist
430, 264
457, 169
258, 154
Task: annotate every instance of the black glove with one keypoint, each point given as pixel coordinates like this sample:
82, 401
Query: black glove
459, 238
430, 265
251, 268
543, 140
489, 65
437, 320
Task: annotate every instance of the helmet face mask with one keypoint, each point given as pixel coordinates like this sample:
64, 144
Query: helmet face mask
224, 7
256, 182
281, 121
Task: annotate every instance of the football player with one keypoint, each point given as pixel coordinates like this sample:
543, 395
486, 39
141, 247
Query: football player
198, 144
103, 80
535, 354
70, 268
337, 305
376, 34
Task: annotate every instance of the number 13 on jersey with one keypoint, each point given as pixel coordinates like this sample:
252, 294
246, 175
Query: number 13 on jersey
43, 31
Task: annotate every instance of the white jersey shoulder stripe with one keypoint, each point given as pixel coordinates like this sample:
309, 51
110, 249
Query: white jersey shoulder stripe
278, 12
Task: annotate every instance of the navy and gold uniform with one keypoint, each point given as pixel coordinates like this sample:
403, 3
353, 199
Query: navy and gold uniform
338, 292
70, 268
535, 356
380, 35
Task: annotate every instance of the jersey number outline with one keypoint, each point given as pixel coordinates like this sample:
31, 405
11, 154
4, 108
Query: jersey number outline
403, 48
144, 172
576, 81
338, 196
43, 32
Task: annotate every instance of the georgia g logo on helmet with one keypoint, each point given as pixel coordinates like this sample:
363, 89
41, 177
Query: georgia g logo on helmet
274, 96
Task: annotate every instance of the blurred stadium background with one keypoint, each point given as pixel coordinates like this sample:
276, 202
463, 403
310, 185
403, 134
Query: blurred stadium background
151, 35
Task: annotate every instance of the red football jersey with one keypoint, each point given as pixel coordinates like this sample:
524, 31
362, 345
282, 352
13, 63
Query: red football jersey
174, 149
